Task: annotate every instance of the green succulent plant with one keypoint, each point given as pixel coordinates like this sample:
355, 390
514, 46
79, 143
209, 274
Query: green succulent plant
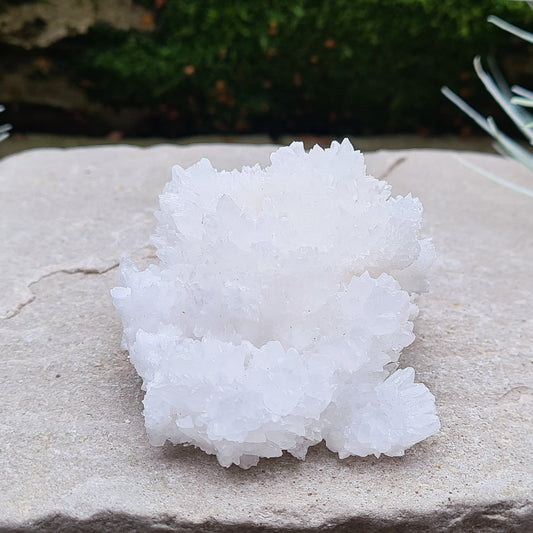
513, 100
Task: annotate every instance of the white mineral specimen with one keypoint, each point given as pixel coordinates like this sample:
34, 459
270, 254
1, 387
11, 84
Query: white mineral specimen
281, 298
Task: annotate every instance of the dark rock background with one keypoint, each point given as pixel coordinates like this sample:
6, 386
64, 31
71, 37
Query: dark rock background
40, 93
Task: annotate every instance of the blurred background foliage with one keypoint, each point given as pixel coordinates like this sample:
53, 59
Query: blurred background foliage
338, 67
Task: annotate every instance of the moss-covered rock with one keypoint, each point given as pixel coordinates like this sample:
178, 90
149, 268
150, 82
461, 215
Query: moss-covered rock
341, 66
41, 23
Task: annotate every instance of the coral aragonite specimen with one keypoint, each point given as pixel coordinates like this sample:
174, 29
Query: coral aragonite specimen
281, 297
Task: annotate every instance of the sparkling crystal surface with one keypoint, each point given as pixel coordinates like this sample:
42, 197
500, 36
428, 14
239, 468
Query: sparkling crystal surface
281, 301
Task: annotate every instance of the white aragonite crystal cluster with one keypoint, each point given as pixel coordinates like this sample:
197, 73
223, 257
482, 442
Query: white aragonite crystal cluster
282, 298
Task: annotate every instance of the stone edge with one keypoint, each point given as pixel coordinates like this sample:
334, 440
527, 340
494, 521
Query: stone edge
504, 516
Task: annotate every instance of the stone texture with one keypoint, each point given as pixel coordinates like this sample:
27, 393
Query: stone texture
32, 24
20, 142
72, 441
40, 92
471, 143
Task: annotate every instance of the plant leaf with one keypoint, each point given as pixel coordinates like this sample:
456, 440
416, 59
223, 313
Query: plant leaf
525, 102
522, 92
465, 108
515, 30
489, 175
504, 102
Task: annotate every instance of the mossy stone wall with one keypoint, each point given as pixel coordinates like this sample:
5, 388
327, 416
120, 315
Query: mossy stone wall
337, 66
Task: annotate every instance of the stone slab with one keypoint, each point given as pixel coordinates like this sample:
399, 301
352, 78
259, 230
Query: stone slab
73, 452
475, 143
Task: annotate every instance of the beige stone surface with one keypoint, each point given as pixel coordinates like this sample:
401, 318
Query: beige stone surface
72, 438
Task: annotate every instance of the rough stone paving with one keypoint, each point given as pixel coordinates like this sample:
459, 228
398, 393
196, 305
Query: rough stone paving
72, 442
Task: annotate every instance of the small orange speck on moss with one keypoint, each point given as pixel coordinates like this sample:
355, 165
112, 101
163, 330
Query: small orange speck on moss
115, 136
272, 52
314, 60
147, 21
220, 85
273, 30
158, 4
189, 70
297, 79
330, 44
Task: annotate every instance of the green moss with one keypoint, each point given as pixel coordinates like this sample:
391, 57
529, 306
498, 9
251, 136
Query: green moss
306, 65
